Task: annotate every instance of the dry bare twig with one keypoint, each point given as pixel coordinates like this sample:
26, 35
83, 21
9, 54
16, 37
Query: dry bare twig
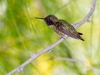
34, 56
78, 61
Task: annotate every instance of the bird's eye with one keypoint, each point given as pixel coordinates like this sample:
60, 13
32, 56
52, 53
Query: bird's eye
49, 18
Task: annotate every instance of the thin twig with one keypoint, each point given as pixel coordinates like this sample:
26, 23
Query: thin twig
34, 56
87, 18
78, 61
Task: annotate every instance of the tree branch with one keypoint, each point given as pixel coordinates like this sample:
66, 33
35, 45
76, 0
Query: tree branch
87, 17
34, 56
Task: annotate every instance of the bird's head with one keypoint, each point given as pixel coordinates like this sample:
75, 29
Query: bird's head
50, 19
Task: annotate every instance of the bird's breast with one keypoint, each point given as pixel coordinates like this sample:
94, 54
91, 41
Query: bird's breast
57, 31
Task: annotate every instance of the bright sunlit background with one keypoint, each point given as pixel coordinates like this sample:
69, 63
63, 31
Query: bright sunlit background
21, 33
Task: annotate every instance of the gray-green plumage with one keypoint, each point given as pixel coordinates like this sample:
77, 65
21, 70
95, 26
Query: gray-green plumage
67, 29
62, 27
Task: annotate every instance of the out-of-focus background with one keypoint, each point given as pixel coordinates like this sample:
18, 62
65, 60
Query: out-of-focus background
21, 33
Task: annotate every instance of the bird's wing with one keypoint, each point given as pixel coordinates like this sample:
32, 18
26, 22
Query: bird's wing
67, 28
70, 28
66, 31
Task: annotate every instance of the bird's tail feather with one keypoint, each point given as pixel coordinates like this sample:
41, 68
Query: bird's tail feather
80, 33
80, 38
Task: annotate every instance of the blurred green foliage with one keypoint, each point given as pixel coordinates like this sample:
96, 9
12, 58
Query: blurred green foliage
21, 33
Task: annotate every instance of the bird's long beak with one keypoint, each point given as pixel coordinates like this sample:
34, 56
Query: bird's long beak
39, 18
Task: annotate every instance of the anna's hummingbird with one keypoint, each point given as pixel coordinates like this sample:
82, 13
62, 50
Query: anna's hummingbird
62, 27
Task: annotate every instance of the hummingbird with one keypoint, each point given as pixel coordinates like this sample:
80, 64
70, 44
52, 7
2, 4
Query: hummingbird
61, 27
